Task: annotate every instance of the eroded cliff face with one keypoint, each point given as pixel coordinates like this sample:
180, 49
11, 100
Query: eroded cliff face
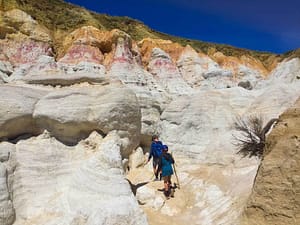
24, 41
275, 197
78, 108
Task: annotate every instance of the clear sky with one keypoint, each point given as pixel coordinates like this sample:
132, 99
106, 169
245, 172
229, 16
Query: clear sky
266, 25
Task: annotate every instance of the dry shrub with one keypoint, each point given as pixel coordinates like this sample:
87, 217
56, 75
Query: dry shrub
251, 141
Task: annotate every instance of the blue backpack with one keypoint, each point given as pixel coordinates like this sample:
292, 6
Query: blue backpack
156, 149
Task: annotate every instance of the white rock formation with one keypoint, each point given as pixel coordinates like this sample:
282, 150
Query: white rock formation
6, 205
202, 72
166, 73
7, 213
127, 68
83, 184
70, 114
16, 108
287, 71
3, 78
188, 124
137, 158
151, 95
191, 66
47, 71
6, 69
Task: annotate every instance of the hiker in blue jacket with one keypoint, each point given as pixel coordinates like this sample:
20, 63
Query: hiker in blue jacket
165, 165
155, 152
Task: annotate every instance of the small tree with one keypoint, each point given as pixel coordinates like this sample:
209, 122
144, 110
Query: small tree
251, 141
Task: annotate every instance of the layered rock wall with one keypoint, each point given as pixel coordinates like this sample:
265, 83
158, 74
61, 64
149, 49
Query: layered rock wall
275, 198
176, 68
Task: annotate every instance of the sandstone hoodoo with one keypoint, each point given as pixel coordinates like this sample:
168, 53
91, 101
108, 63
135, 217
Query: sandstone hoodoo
81, 95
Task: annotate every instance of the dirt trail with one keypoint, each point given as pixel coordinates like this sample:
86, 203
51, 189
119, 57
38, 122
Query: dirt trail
164, 211
208, 194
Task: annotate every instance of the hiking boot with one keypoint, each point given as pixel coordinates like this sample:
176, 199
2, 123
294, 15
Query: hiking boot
172, 193
166, 193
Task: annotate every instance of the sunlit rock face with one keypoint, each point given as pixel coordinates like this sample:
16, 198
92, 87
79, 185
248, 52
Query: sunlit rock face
83, 45
17, 106
192, 67
199, 70
244, 65
79, 109
70, 185
165, 71
126, 67
7, 212
24, 40
49, 72
287, 71
274, 199
73, 113
24, 50
79, 53
174, 50
212, 113
16, 21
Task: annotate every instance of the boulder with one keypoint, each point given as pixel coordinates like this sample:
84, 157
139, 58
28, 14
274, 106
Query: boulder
245, 84
147, 196
70, 114
137, 158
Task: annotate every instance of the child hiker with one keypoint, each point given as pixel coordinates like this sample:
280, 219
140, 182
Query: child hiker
165, 165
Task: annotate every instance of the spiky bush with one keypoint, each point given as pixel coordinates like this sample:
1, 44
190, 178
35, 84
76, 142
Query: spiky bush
251, 141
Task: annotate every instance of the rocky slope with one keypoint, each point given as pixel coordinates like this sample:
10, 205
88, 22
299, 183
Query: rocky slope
275, 197
79, 104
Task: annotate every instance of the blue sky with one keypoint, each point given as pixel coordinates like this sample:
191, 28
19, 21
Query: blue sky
265, 25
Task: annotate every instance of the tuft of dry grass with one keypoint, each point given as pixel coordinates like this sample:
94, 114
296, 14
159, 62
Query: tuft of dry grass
251, 141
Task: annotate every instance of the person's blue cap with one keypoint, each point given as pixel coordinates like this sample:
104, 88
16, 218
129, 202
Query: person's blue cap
165, 147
